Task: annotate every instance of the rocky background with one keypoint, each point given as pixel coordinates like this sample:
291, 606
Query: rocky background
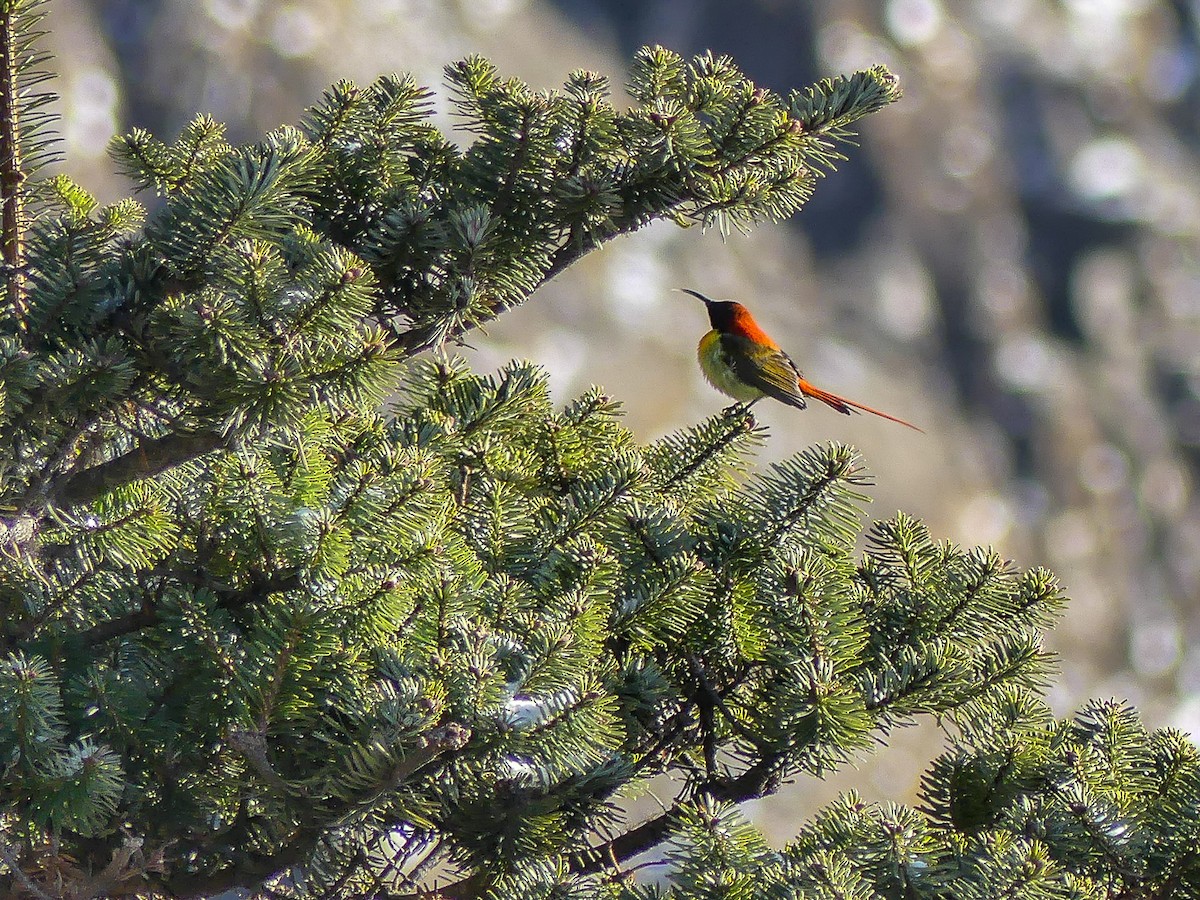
1011, 259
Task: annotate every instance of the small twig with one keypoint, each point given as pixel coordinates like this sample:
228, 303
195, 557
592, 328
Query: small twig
637, 840
28, 883
117, 870
252, 746
756, 781
718, 700
12, 177
741, 418
425, 337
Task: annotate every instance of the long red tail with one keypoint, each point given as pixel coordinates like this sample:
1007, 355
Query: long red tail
842, 405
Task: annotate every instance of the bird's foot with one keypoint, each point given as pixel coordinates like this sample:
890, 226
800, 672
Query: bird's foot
739, 408
741, 411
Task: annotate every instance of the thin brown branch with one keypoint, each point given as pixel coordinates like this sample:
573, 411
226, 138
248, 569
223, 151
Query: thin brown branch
741, 420
151, 458
119, 869
757, 781
625, 846
637, 840
127, 624
444, 739
248, 874
9, 857
12, 176
148, 615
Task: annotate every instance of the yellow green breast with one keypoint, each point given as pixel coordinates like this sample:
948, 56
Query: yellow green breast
714, 365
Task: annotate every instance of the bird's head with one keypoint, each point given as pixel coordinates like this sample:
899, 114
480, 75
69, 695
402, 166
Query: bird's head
723, 315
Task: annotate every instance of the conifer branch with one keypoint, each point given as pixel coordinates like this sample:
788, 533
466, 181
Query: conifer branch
740, 420
445, 739
426, 337
144, 617
252, 746
752, 784
252, 873
755, 782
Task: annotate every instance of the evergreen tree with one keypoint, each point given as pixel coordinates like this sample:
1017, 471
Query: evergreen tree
258, 633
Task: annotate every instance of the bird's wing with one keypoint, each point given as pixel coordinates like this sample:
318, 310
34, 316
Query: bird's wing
765, 368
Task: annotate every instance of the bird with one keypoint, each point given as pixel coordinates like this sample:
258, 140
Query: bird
741, 361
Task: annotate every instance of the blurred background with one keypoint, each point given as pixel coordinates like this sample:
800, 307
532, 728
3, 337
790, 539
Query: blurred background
1011, 260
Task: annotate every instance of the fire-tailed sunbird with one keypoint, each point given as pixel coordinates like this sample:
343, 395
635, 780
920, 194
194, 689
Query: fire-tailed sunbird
741, 361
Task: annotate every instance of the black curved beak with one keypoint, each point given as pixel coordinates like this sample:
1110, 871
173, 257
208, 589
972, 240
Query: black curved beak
696, 294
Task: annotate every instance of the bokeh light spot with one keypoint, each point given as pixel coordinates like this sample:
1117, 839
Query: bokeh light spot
1103, 469
1165, 487
843, 45
1025, 362
1102, 292
965, 150
913, 22
562, 353
490, 13
1105, 9
904, 289
1169, 74
985, 519
1154, 647
1107, 168
636, 283
296, 31
1186, 716
91, 115
1070, 536
232, 14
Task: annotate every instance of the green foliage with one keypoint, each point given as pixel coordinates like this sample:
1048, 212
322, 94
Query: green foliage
257, 633
298, 624
1034, 809
293, 274
831, 106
